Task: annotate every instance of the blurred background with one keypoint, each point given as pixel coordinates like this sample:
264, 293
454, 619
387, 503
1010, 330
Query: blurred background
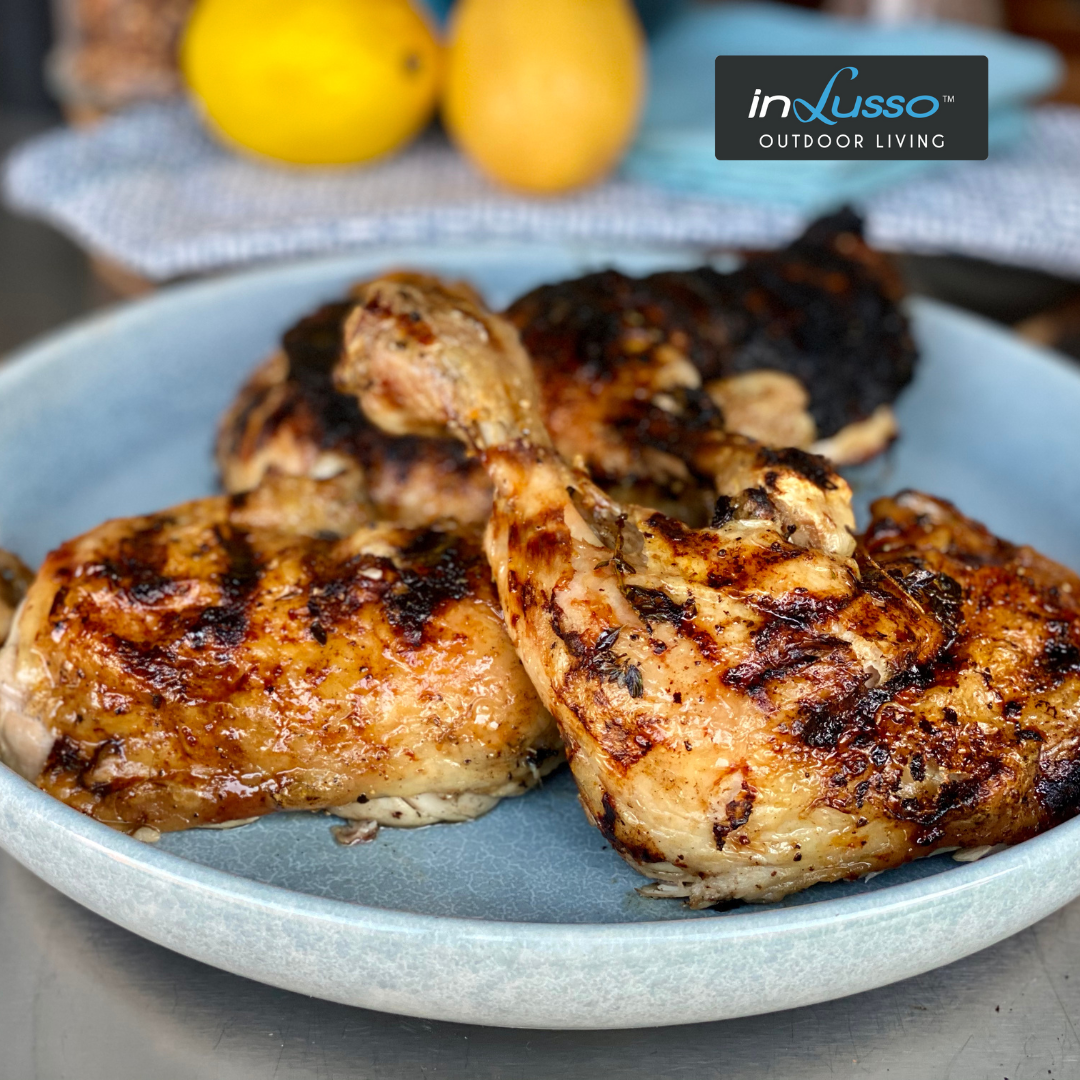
93, 100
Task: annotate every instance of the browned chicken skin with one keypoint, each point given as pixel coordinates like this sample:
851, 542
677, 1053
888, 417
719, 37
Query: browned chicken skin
289, 418
753, 707
803, 347
798, 345
229, 657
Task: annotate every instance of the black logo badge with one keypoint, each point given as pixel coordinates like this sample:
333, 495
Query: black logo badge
856, 107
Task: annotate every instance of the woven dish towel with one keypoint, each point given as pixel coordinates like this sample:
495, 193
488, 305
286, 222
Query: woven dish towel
151, 190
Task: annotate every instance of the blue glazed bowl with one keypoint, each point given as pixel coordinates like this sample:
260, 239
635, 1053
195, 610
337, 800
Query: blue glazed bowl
523, 918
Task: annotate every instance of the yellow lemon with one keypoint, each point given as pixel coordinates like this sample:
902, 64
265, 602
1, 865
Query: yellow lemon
316, 82
544, 96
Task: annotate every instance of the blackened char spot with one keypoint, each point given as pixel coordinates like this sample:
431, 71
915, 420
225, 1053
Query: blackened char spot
824, 310
222, 626
436, 571
654, 605
723, 512
1060, 655
811, 467
1057, 787
225, 624
737, 814
608, 817
938, 593
535, 756
313, 347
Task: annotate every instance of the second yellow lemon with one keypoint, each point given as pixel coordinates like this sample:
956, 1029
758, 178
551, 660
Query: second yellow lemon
544, 96
313, 81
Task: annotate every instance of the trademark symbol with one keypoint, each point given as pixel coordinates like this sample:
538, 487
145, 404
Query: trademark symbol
947, 98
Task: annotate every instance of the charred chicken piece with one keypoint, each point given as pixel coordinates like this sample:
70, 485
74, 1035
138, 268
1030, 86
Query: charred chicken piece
749, 710
803, 346
208, 664
288, 417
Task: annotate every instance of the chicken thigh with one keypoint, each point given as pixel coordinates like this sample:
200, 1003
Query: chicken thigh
756, 706
238, 655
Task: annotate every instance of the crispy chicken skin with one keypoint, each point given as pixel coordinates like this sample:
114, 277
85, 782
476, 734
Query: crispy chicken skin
803, 347
801, 344
210, 664
289, 418
756, 706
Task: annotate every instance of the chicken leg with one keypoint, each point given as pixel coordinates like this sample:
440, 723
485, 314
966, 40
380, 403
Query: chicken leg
757, 706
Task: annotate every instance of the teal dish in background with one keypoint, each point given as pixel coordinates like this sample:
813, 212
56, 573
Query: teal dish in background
524, 918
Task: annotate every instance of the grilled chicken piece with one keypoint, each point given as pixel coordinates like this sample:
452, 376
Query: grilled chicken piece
820, 317
750, 709
289, 418
628, 369
209, 664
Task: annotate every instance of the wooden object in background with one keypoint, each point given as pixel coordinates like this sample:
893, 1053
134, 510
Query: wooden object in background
113, 53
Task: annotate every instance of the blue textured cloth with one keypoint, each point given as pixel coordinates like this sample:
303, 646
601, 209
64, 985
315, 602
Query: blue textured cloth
675, 147
152, 190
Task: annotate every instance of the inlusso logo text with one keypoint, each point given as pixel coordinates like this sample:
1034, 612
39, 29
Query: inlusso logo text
863, 107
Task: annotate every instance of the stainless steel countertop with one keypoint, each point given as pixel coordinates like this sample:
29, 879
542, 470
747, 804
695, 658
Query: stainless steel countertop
82, 998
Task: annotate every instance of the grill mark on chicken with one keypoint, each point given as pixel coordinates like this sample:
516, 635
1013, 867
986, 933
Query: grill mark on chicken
800, 607
160, 668
940, 594
225, 624
436, 568
781, 650
612, 828
136, 571
597, 660
654, 605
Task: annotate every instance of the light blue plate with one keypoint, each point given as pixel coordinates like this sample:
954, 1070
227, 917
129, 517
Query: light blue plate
524, 918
